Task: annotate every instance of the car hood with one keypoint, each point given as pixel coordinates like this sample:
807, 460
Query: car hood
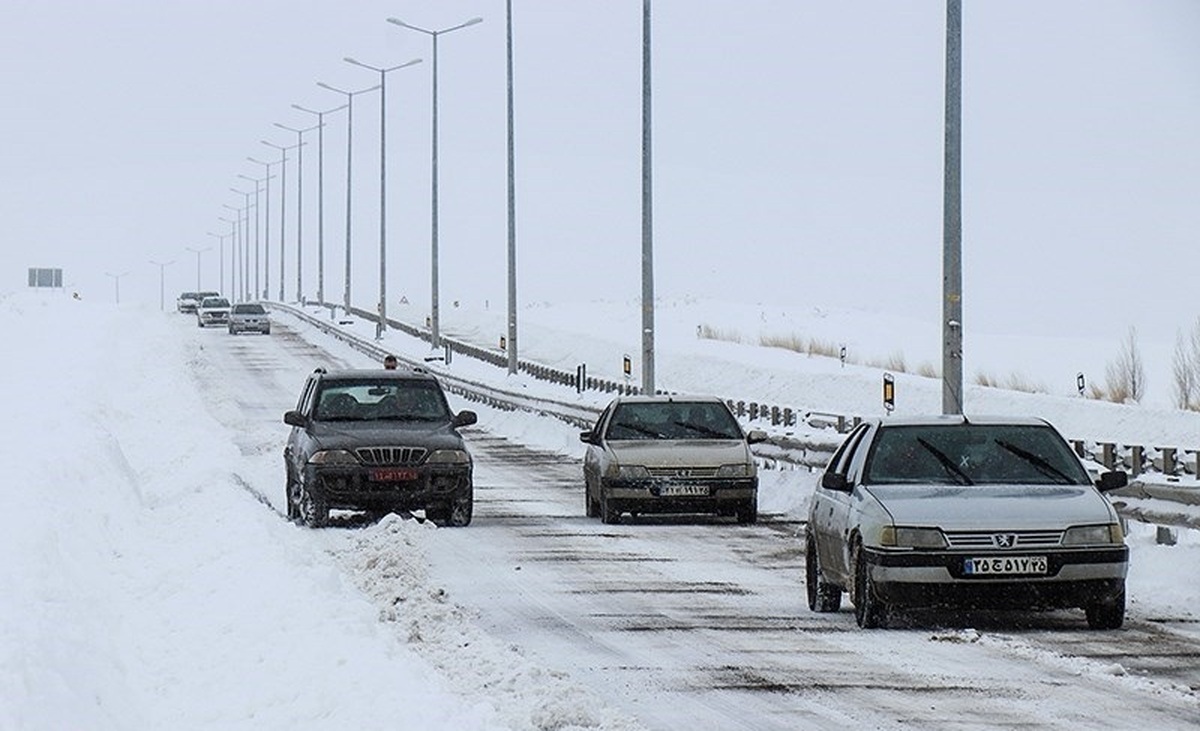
982, 507
355, 434
680, 452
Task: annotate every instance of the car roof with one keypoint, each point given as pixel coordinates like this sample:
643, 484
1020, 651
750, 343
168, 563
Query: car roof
955, 419
667, 399
403, 373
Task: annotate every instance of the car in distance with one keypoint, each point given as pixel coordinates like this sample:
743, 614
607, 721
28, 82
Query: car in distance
951, 512
377, 441
212, 311
249, 317
186, 302
669, 454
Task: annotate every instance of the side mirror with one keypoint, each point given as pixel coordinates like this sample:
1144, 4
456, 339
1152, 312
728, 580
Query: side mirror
835, 481
465, 418
295, 418
1112, 481
587, 437
755, 436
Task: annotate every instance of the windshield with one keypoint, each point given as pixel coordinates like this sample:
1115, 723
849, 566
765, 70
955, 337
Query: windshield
381, 400
673, 420
973, 454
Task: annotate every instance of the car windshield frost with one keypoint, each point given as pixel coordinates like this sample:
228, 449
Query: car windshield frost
392, 400
972, 454
673, 420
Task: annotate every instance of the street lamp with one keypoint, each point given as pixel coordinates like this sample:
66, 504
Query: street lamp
320, 195
381, 326
221, 256
512, 204
197, 252
117, 281
162, 268
258, 289
235, 255
647, 216
244, 258
349, 163
266, 266
282, 201
232, 247
434, 334
299, 205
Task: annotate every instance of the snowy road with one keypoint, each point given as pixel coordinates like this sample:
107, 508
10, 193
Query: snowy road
702, 624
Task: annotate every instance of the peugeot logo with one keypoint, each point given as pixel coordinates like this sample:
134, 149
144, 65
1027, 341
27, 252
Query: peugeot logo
1004, 540
683, 473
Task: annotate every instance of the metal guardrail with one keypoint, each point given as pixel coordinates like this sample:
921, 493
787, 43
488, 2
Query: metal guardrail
811, 451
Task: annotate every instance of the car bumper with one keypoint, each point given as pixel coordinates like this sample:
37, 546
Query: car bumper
243, 327
935, 578
648, 496
351, 488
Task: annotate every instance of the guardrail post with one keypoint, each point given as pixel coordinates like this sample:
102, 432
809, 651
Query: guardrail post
789, 418
1165, 536
1135, 459
1108, 455
753, 411
1169, 463
775, 416
841, 424
1078, 445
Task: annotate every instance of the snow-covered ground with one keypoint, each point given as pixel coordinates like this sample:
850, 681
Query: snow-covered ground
146, 585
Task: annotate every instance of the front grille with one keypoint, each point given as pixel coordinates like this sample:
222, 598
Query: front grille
391, 455
682, 473
1013, 539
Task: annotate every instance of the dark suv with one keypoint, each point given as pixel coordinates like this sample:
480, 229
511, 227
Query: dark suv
377, 441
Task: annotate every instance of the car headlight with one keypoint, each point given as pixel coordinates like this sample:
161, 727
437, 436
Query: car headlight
448, 456
627, 472
333, 456
893, 536
728, 471
1091, 535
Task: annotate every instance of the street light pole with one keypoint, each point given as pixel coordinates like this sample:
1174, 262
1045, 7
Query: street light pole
299, 206
245, 253
266, 249
234, 250
257, 217
952, 334
162, 268
648, 386
349, 168
282, 202
197, 252
320, 195
512, 204
232, 240
434, 320
381, 325
221, 256
117, 281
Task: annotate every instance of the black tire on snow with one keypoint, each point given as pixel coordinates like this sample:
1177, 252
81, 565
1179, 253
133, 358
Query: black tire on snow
311, 511
869, 611
1108, 613
609, 515
822, 597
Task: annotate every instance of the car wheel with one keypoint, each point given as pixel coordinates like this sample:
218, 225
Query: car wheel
869, 611
822, 597
608, 512
748, 513
312, 512
291, 497
1107, 613
267, 331
460, 511
590, 508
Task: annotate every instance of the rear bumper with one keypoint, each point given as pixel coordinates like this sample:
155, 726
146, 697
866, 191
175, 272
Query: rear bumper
213, 318
245, 327
935, 578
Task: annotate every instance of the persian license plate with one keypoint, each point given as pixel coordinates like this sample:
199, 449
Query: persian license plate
393, 474
683, 491
1005, 566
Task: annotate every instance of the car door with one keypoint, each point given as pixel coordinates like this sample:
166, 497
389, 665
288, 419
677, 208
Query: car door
830, 513
593, 456
295, 451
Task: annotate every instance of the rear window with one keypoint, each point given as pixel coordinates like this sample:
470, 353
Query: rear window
249, 310
215, 302
973, 454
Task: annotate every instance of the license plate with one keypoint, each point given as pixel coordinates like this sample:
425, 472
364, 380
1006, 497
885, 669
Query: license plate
393, 474
683, 490
1005, 565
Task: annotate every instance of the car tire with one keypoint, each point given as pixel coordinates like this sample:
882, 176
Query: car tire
822, 597
312, 511
267, 331
461, 509
748, 513
590, 508
869, 611
1108, 613
290, 496
609, 515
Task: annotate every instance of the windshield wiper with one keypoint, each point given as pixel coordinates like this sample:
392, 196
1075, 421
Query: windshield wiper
1039, 463
948, 464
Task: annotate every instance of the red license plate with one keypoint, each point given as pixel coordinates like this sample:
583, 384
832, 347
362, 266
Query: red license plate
392, 474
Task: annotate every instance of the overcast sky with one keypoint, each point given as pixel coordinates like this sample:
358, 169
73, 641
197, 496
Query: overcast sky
797, 150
